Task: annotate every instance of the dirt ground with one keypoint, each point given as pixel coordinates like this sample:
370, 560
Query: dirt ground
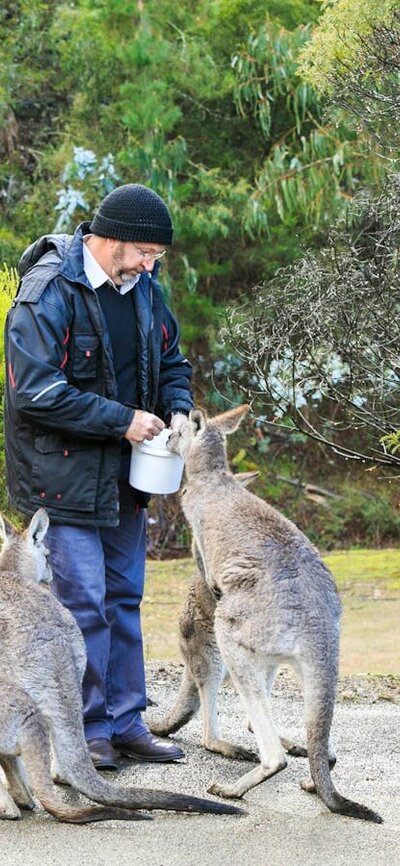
283, 825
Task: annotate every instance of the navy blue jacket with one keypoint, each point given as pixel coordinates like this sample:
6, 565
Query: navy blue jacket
62, 422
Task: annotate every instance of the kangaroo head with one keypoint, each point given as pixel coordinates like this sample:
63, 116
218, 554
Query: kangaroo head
25, 552
202, 443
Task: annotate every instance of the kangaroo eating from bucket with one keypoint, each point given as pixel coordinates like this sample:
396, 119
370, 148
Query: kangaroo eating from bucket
276, 602
42, 661
204, 668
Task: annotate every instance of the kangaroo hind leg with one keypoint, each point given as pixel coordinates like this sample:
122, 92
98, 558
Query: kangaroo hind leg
250, 682
209, 704
17, 782
8, 809
295, 750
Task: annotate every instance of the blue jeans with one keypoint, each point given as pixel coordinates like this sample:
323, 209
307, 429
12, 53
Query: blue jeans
99, 577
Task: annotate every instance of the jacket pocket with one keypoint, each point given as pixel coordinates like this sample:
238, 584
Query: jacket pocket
65, 473
85, 356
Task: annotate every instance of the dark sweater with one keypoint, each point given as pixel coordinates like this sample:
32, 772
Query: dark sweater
119, 314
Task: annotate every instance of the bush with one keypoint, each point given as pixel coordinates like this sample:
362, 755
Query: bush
8, 287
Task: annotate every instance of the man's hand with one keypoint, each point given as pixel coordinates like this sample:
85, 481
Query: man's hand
144, 425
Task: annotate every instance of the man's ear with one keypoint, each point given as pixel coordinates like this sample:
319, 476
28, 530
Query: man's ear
228, 422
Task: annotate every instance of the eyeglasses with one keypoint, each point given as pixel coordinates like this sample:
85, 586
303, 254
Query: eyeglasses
147, 256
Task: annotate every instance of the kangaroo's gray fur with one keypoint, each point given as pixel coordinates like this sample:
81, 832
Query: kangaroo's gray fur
275, 602
204, 668
43, 656
24, 734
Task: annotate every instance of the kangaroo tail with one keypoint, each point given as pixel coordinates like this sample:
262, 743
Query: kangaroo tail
87, 814
319, 676
320, 772
166, 800
187, 704
118, 803
79, 772
82, 776
97, 789
34, 745
319, 695
183, 803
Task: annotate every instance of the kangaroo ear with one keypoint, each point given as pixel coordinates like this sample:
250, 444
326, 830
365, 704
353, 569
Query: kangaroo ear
229, 421
3, 533
7, 530
38, 526
246, 478
198, 419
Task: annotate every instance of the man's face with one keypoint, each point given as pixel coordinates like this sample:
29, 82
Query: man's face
128, 259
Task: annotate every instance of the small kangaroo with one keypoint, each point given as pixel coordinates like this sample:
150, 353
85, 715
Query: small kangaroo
275, 602
42, 661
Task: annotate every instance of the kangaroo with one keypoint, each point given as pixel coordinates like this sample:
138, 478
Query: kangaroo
204, 668
24, 733
43, 656
276, 602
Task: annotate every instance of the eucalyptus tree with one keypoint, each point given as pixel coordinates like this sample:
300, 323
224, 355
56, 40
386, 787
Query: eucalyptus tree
318, 343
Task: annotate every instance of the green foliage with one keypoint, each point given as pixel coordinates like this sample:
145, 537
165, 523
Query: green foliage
316, 342
365, 512
312, 166
206, 105
266, 71
203, 103
8, 288
391, 442
236, 18
364, 518
336, 38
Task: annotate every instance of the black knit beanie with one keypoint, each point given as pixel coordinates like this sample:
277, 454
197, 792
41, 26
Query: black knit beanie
133, 213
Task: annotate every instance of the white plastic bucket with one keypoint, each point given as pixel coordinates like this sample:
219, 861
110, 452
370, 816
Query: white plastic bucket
155, 469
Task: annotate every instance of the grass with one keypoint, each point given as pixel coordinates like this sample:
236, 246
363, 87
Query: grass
369, 585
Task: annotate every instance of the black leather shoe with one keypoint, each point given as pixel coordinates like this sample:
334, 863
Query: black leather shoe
149, 749
103, 754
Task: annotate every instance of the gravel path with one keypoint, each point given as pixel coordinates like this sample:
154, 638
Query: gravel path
283, 826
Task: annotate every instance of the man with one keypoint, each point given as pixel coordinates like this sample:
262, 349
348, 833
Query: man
94, 365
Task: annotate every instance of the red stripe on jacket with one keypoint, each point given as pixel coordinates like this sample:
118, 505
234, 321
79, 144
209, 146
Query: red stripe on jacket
166, 338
